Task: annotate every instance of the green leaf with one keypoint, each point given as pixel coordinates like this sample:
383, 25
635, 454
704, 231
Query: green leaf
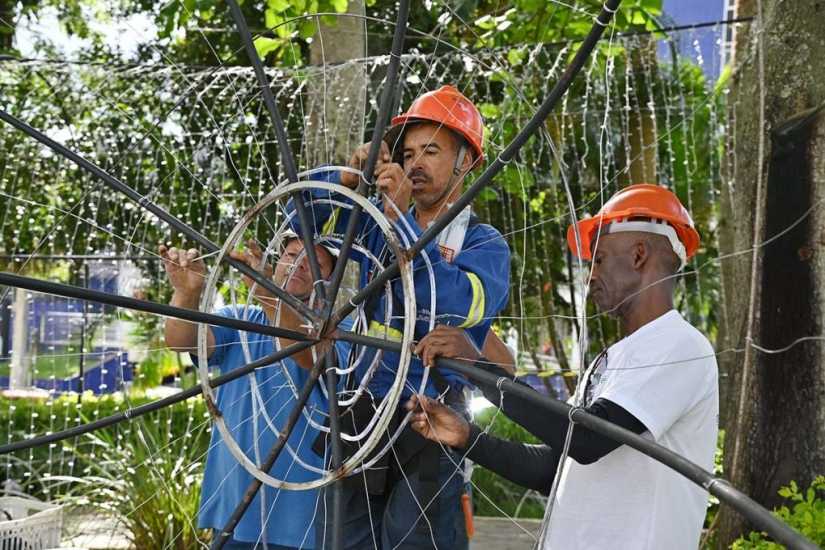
265, 46
272, 19
489, 110
638, 18
340, 5
515, 56
307, 28
278, 5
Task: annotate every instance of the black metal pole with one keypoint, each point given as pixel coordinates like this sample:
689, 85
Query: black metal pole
337, 455
384, 113
750, 509
154, 405
170, 219
254, 486
69, 291
718, 487
85, 321
287, 160
549, 103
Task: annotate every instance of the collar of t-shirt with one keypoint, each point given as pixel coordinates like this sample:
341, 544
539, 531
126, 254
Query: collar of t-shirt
651, 326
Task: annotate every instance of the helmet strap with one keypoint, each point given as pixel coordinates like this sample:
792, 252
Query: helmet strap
459, 160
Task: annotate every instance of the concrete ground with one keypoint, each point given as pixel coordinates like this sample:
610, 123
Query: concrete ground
92, 532
99, 533
504, 534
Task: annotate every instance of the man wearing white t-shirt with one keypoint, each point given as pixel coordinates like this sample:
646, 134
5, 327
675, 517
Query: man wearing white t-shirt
660, 381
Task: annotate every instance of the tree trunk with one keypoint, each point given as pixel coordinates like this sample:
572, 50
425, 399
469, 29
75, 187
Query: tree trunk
336, 89
20, 376
773, 407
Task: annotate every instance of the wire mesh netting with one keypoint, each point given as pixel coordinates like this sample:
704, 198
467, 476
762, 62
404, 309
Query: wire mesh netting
199, 143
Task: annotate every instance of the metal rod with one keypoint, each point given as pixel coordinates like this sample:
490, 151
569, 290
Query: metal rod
83, 328
255, 485
384, 113
718, 487
287, 160
337, 457
88, 257
167, 217
154, 405
69, 291
549, 103
751, 510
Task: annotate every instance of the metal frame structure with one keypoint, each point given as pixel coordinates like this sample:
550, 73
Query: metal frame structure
325, 325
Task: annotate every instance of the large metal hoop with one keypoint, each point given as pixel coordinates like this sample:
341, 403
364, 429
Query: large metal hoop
395, 391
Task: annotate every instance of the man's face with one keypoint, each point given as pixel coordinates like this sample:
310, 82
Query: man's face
429, 158
292, 269
614, 277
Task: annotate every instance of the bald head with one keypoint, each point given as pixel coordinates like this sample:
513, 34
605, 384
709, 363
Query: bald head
628, 268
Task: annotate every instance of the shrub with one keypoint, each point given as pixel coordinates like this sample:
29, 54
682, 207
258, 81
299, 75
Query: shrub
145, 473
805, 512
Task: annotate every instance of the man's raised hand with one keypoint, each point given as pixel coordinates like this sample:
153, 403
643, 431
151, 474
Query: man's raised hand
395, 186
359, 158
252, 255
186, 271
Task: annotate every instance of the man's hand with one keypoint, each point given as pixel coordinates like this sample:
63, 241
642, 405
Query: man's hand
437, 422
253, 256
446, 341
359, 158
394, 184
186, 273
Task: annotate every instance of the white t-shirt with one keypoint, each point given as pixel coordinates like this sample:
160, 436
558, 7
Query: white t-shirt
665, 375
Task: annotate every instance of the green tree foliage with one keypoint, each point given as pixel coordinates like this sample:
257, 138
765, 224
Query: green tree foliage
145, 128
72, 14
804, 511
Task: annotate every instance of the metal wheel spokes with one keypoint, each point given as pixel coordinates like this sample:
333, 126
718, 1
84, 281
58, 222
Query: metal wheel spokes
370, 436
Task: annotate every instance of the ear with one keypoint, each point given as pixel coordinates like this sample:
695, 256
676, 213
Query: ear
641, 253
470, 161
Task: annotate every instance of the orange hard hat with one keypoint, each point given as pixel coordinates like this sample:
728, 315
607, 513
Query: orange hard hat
641, 207
448, 107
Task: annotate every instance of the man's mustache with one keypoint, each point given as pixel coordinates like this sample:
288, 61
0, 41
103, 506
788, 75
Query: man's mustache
417, 173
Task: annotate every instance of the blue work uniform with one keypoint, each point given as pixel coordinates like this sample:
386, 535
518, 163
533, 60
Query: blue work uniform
469, 291
277, 516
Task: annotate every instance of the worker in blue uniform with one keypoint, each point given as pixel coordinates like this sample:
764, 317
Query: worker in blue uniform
412, 498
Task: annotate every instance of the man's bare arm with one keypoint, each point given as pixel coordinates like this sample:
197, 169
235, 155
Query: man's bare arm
186, 275
498, 353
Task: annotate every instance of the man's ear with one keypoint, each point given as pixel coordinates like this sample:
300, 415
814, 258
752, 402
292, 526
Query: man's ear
641, 253
470, 161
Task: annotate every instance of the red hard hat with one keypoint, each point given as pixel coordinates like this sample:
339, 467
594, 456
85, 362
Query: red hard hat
448, 107
642, 200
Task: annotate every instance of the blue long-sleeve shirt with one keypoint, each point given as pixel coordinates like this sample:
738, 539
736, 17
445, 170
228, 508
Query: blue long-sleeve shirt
469, 292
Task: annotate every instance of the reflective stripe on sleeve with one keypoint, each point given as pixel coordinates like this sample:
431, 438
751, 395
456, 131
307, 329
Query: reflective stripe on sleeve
377, 330
476, 313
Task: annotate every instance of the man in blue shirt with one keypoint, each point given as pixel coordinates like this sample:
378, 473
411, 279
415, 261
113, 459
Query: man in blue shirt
276, 519
413, 499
